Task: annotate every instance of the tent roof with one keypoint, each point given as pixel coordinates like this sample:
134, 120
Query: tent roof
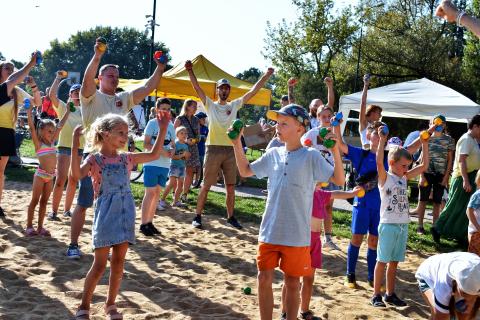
418, 99
176, 84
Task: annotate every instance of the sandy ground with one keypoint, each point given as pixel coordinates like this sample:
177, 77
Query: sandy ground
183, 274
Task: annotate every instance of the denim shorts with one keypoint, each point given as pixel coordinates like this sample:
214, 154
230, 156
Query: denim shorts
392, 242
85, 192
176, 171
154, 176
68, 151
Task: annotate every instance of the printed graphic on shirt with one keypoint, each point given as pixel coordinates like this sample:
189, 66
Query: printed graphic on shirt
397, 199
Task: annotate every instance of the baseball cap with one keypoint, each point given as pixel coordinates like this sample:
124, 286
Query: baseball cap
468, 279
201, 115
221, 82
74, 87
285, 97
292, 110
395, 141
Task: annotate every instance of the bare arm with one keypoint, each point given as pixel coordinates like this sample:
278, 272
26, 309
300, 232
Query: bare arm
331, 93
33, 131
382, 173
163, 118
342, 146
152, 83
53, 94
447, 10
257, 86
291, 83
76, 171
472, 218
61, 123
346, 194
448, 169
338, 177
463, 170
424, 164
363, 105
194, 81
17, 77
37, 99
242, 161
88, 85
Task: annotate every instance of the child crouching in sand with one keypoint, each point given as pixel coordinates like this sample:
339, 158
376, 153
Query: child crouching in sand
114, 217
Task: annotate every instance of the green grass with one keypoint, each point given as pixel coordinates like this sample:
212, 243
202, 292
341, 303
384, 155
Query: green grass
27, 149
21, 174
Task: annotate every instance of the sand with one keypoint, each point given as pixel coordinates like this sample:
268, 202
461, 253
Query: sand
183, 274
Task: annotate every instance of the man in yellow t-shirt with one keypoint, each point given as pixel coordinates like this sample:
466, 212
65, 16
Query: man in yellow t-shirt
96, 103
219, 154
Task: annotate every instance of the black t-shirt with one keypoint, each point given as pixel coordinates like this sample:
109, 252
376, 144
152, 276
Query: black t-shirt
3, 94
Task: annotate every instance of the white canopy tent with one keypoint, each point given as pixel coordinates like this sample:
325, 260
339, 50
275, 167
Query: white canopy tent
416, 99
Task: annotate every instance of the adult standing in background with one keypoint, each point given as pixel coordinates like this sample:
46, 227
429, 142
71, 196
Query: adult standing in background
367, 115
316, 104
219, 154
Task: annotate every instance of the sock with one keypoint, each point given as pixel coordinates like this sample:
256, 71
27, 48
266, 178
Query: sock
371, 261
352, 257
328, 237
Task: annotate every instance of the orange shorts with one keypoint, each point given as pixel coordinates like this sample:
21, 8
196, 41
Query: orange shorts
293, 261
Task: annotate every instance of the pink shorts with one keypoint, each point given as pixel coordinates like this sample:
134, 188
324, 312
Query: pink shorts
320, 201
316, 249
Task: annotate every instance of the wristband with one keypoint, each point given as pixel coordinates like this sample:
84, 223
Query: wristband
459, 17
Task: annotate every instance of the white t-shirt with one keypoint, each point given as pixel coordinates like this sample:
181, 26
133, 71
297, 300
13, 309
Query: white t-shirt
100, 104
440, 270
74, 119
312, 134
363, 137
394, 200
220, 118
474, 203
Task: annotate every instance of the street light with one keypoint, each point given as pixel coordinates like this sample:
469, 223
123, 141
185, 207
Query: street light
151, 24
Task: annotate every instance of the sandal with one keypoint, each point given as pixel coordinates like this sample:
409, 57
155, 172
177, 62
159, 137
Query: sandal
30, 232
44, 232
112, 313
82, 314
308, 315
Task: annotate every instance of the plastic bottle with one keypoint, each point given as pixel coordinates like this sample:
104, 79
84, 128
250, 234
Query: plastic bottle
292, 81
71, 106
26, 103
385, 130
307, 143
62, 73
39, 58
247, 290
425, 135
236, 126
366, 77
160, 57
337, 118
437, 121
327, 143
102, 43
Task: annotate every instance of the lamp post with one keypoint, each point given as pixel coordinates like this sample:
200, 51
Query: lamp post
151, 24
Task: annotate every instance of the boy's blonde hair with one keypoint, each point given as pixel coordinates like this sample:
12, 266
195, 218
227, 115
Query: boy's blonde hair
104, 124
398, 152
179, 129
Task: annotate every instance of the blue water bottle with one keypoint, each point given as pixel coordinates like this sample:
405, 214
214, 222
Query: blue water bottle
39, 58
336, 120
385, 130
26, 103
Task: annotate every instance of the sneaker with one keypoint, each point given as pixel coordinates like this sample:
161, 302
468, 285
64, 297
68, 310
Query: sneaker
350, 281
308, 315
435, 235
393, 299
52, 216
160, 207
377, 301
2, 213
234, 223
183, 198
330, 245
152, 227
146, 230
197, 222
178, 204
163, 203
67, 214
420, 231
73, 252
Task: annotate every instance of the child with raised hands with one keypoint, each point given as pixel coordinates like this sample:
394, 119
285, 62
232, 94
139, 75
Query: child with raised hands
44, 136
284, 238
114, 217
394, 215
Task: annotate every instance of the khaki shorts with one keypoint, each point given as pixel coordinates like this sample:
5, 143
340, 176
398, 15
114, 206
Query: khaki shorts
216, 158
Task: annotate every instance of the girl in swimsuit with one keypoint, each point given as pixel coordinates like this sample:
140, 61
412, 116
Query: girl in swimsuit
43, 137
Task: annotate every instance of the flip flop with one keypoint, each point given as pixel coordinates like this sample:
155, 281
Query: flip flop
82, 314
44, 232
112, 313
30, 232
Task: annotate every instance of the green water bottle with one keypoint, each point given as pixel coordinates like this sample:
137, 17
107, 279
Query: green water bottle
71, 106
236, 126
327, 143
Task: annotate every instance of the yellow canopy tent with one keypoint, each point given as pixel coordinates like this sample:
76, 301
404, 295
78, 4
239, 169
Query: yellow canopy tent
176, 84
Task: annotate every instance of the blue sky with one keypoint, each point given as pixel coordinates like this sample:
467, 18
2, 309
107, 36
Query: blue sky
229, 33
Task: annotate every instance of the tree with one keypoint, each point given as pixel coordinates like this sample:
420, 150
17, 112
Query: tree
471, 62
127, 47
307, 48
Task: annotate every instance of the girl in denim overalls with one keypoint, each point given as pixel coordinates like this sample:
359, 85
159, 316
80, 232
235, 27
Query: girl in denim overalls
114, 218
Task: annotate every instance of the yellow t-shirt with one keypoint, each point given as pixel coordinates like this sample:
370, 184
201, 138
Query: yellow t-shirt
466, 145
7, 110
74, 119
100, 104
220, 118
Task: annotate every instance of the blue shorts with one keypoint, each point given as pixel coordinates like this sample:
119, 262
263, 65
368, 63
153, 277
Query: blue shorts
68, 151
392, 242
365, 220
154, 176
176, 171
85, 192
